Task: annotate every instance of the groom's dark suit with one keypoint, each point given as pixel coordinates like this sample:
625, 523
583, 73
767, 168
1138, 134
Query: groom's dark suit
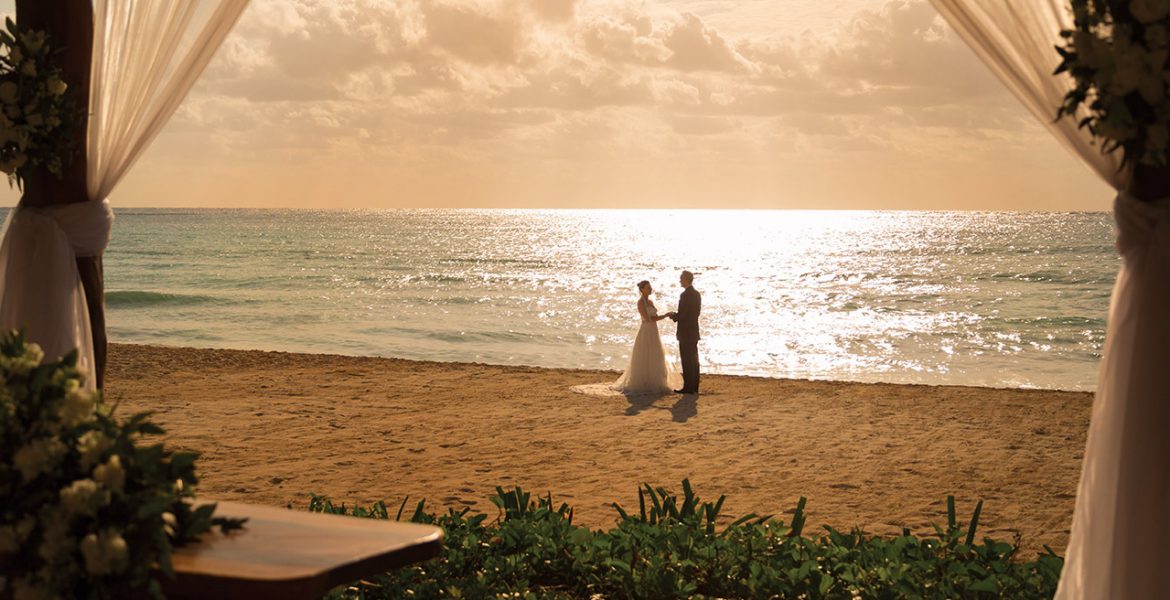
687, 317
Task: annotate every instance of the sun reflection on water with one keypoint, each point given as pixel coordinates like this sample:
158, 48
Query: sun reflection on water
1011, 299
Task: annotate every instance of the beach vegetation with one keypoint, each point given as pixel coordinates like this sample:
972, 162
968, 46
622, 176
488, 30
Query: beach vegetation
672, 546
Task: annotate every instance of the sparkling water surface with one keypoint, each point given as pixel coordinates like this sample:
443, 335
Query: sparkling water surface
990, 299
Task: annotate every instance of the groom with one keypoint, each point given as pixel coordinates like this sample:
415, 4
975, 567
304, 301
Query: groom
687, 318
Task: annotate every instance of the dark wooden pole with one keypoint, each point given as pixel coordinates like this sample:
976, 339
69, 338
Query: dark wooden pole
1150, 183
69, 24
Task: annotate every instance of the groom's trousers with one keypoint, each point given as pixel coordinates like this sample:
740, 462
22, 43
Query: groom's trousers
689, 354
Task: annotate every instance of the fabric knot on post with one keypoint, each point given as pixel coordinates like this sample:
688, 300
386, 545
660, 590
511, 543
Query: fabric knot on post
1141, 227
41, 291
86, 224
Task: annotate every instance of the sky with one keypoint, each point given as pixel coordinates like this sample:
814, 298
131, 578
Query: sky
852, 104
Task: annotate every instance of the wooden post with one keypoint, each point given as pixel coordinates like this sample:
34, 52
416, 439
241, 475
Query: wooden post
69, 24
1150, 183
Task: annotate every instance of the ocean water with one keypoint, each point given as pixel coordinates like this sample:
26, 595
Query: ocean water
989, 299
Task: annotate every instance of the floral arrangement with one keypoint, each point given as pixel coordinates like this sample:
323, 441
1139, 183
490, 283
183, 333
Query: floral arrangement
1117, 55
38, 120
89, 510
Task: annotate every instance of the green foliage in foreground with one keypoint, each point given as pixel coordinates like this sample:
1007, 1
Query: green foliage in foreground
671, 548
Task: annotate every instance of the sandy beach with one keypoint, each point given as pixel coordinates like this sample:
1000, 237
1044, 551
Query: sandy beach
275, 427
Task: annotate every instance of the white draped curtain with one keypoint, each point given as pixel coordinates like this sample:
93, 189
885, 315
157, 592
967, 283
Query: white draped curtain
146, 56
1118, 544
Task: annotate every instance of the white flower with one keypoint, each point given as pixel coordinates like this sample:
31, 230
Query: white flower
32, 356
9, 92
91, 446
1092, 51
169, 523
38, 456
56, 544
1130, 62
1157, 36
111, 474
56, 87
1148, 11
83, 497
9, 539
78, 406
34, 40
1152, 90
1155, 59
105, 552
12, 536
25, 588
1126, 80
33, 353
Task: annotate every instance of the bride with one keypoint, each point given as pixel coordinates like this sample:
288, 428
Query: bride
648, 372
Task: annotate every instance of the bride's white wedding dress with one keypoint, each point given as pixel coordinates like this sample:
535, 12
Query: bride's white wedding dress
648, 373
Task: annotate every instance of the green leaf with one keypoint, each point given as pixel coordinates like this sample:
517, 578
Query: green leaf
986, 585
974, 523
826, 584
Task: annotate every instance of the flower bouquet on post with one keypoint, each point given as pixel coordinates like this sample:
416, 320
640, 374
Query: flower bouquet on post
37, 116
88, 508
1117, 54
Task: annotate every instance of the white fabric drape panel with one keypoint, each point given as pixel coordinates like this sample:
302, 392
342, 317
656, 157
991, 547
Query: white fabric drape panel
146, 56
1117, 548
1016, 40
1120, 524
40, 289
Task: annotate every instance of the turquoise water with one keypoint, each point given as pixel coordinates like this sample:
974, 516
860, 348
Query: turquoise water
993, 299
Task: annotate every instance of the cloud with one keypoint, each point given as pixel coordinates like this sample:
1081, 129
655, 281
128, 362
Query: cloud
702, 126
553, 10
472, 35
907, 44
626, 40
462, 84
578, 91
696, 47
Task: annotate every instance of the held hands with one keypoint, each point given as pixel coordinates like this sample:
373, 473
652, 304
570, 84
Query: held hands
673, 316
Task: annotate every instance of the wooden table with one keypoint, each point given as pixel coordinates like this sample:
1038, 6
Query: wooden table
284, 553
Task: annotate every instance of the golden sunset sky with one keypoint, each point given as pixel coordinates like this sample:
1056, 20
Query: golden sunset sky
603, 103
